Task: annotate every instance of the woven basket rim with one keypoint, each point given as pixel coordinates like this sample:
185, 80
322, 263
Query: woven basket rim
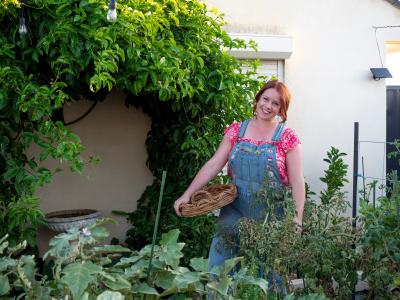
226, 193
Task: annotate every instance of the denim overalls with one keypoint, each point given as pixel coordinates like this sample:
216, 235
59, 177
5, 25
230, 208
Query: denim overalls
249, 165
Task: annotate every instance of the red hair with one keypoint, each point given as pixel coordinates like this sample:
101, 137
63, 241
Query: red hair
283, 91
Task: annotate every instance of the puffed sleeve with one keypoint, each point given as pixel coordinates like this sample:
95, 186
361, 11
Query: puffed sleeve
232, 131
289, 140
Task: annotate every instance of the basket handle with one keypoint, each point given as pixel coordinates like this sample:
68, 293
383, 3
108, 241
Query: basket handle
200, 194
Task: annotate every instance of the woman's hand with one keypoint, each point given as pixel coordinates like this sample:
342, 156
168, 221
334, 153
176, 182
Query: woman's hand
181, 200
210, 169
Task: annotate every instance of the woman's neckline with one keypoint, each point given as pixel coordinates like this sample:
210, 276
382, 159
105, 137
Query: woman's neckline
269, 141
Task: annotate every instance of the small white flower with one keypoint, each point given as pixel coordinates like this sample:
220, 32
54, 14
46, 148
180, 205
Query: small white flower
86, 232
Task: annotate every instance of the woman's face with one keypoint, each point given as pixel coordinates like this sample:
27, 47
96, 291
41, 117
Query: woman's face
268, 105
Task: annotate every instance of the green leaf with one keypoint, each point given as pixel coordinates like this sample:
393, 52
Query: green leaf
221, 286
4, 285
61, 246
199, 264
144, 288
249, 280
163, 94
6, 262
164, 279
397, 281
109, 295
28, 266
227, 266
111, 249
171, 255
170, 238
78, 276
4, 144
119, 283
100, 233
182, 280
3, 99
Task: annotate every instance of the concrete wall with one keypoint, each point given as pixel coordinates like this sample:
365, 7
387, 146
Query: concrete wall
328, 72
117, 136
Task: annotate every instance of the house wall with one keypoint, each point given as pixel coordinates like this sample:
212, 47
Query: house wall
328, 72
393, 62
116, 134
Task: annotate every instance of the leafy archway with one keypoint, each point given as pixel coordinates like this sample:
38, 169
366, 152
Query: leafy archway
169, 55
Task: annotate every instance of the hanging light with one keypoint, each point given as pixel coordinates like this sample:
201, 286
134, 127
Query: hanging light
22, 23
22, 26
112, 12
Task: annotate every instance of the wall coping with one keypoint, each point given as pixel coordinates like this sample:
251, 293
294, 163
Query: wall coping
269, 46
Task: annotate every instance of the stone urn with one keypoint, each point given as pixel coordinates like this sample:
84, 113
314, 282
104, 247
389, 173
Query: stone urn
61, 221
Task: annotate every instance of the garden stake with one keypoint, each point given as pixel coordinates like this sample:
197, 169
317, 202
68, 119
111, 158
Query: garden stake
363, 178
355, 174
164, 174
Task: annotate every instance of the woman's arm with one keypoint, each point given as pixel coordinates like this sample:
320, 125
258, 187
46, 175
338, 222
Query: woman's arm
294, 164
210, 169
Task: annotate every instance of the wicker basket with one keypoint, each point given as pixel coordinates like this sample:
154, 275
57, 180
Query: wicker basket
61, 221
208, 199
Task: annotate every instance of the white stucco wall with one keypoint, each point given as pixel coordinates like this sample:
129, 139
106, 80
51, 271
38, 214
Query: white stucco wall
328, 72
393, 64
116, 134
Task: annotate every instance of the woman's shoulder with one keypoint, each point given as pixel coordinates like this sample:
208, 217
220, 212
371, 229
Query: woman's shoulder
289, 139
233, 129
288, 131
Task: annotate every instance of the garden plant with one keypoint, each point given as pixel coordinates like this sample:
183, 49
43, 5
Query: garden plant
379, 247
83, 268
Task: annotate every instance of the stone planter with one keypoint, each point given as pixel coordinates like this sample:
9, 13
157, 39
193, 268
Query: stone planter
61, 221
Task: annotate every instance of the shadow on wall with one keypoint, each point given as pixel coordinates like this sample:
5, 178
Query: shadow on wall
116, 134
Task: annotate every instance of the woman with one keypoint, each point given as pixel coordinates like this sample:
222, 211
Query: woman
254, 148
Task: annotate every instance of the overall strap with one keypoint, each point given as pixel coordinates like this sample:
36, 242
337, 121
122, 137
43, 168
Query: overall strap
243, 127
278, 132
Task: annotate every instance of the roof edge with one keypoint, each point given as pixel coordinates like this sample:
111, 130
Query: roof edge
395, 3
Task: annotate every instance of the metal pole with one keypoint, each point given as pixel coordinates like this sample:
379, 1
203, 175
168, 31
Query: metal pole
355, 173
373, 194
355, 177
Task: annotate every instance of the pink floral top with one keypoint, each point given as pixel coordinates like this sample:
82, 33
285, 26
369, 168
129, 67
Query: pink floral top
288, 141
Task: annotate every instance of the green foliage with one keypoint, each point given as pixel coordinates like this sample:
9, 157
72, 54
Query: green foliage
335, 175
86, 269
169, 56
322, 254
379, 249
187, 128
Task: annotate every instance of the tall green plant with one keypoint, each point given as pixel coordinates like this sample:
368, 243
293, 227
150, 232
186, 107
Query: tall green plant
379, 256
335, 176
322, 254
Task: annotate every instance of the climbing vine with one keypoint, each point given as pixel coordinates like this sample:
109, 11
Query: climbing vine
169, 56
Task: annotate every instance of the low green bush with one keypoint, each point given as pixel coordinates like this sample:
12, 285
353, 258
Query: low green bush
83, 268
